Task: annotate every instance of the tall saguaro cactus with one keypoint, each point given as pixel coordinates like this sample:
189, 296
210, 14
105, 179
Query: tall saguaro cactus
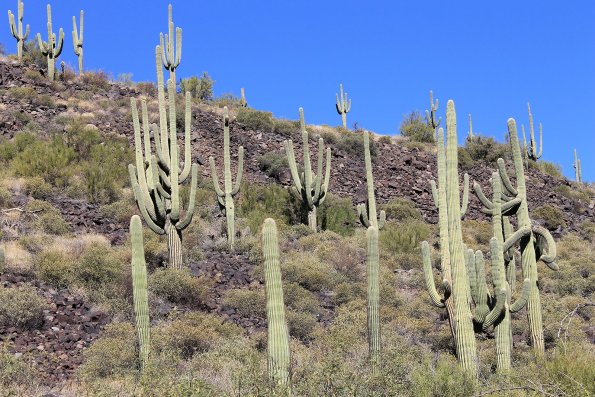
531, 151
156, 177
139, 289
311, 189
243, 102
52, 48
278, 352
172, 54
373, 268
367, 212
225, 196
578, 174
16, 27
343, 105
454, 273
431, 114
77, 41
470, 136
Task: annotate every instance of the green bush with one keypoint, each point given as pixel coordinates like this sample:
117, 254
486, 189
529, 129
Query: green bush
337, 214
286, 128
553, 217
258, 202
416, 128
353, 144
247, 303
255, 119
15, 372
37, 188
301, 324
47, 218
229, 100
97, 266
55, 267
309, 272
300, 299
401, 209
445, 378
178, 286
32, 55
547, 167
96, 80
201, 87
403, 237
21, 307
486, 149
273, 164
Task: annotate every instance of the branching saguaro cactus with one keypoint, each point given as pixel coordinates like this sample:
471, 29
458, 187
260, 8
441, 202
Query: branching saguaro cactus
77, 41
139, 289
373, 269
531, 151
172, 54
311, 189
431, 114
536, 243
278, 352
343, 105
52, 48
367, 212
156, 177
578, 174
454, 275
243, 102
225, 196
16, 27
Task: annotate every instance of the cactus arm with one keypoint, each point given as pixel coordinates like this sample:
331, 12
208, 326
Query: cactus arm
545, 243
187, 149
59, 44
307, 164
338, 104
362, 213
434, 192
470, 266
185, 221
174, 158
429, 276
327, 177
521, 302
511, 206
11, 23
516, 237
540, 141
140, 162
505, 179
215, 176
147, 142
164, 155
483, 295
482, 197
465, 202
157, 196
292, 164
318, 180
238, 183
178, 46
139, 289
140, 203
41, 44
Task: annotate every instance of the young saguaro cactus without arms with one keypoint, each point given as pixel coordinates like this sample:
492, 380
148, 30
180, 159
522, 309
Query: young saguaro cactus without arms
77, 41
536, 242
311, 189
172, 54
225, 196
139, 289
343, 105
531, 151
52, 48
456, 285
243, 102
16, 27
578, 174
367, 212
157, 176
278, 352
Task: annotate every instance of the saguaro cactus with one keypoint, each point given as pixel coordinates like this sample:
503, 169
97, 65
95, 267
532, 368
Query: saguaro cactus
456, 284
225, 196
16, 27
373, 268
139, 289
578, 174
367, 212
52, 48
531, 151
156, 177
278, 352
343, 105
431, 114
470, 136
536, 243
308, 187
171, 55
243, 102
77, 41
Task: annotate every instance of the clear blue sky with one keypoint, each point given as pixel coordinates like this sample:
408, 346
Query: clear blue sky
490, 57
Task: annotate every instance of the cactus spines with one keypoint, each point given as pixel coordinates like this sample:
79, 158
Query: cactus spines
52, 48
278, 352
367, 212
171, 54
578, 175
532, 151
373, 268
431, 114
156, 177
243, 102
343, 105
139, 289
454, 273
311, 189
16, 27
230, 190
77, 41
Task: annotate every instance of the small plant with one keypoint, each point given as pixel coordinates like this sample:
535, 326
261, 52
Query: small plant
273, 164
178, 286
255, 119
200, 88
21, 307
552, 216
415, 128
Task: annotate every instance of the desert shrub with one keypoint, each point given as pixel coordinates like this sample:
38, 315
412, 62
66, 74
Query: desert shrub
553, 217
200, 88
309, 272
406, 237
55, 267
416, 128
47, 218
21, 307
300, 324
300, 299
445, 378
577, 195
5, 197
465, 160
273, 164
259, 202
547, 167
98, 266
350, 291
401, 209
229, 100
336, 214
588, 229
477, 234
32, 55
113, 354
124, 79
96, 80
247, 303
385, 140
353, 144
255, 119
147, 88
486, 149
23, 92
37, 188
286, 127
178, 286
120, 210
14, 371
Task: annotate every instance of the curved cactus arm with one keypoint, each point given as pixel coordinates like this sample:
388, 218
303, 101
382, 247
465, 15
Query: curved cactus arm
59, 44
545, 247
42, 46
362, 213
515, 238
521, 302
434, 192
338, 104
429, 276
505, 179
145, 196
215, 176
157, 194
465, 202
489, 206
187, 130
178, 46
288, 144
497, 311
307, 164
140, 203
173, 154
327, 177
470, 266
185, 221
238, 183
431, 114
382, 220
11, 23
162, 44
511, 207
318, 179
